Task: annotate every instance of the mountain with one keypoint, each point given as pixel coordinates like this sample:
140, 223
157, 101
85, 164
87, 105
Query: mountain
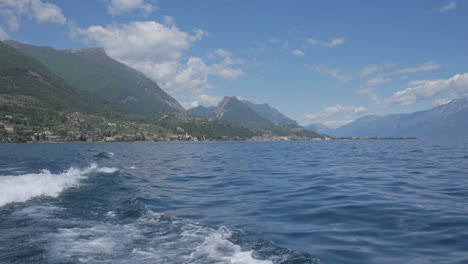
270, 114
92, 71
233, 110
319, 127
202, 111
448, 120
26, 82
242, 111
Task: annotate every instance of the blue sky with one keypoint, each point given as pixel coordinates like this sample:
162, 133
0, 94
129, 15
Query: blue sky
315, 61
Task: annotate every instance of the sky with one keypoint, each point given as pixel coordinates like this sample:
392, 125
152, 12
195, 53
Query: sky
321, 61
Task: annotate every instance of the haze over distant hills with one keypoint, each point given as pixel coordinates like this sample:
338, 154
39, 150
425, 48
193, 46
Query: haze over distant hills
448, 120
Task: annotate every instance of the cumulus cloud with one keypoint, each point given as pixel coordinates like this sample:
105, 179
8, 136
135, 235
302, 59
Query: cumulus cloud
298, 53
334, 42
13, 11
47, 13
335, 116
3, 34
157, 51
456, 86
118, 7
140, 40
449, 6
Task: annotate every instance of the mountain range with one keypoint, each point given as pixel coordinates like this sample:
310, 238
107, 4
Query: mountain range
448, 120
83, 93
41, 83
243, 112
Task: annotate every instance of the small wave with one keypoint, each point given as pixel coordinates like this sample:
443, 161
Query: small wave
24, 187
104, 155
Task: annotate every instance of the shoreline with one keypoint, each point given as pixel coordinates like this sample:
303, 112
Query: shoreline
207, 141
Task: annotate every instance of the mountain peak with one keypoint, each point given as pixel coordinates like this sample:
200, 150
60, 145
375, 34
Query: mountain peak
225, 105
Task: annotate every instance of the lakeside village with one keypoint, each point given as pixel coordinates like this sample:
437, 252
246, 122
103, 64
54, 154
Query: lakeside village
78, 127
85, 128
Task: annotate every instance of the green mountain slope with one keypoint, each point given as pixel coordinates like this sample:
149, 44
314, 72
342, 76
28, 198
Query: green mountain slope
233, 110
92, 71
25, 77
202, 111
270, 113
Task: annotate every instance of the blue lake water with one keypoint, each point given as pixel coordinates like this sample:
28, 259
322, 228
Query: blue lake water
235, 202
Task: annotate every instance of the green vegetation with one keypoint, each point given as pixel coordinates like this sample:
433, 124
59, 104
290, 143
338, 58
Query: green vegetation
70, 103
92, 72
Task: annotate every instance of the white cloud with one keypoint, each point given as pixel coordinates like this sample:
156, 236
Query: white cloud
227, 72
157, 51
208, 100
169, 21
449, 6
334, 116
336, 74
456, 86
118, 7
298, 53
3, 35
369, 84
374, 68
334, 42
312, 41
47, 13
222, 53
139, 40
428, 66
13, 11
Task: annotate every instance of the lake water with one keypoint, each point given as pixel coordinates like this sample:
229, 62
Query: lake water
235, 202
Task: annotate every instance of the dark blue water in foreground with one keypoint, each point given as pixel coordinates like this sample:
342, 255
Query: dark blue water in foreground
283, 202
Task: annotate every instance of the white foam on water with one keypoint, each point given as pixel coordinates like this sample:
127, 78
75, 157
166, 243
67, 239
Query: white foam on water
111, 214
217, 248
22, 188
148, 240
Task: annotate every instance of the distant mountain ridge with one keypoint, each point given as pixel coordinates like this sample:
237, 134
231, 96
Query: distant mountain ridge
233, 110
320, 128
448, 120
242, 111
94, 72
270, 113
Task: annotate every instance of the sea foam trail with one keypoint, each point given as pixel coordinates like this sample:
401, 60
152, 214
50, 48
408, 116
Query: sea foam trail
27, 186
151, 239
